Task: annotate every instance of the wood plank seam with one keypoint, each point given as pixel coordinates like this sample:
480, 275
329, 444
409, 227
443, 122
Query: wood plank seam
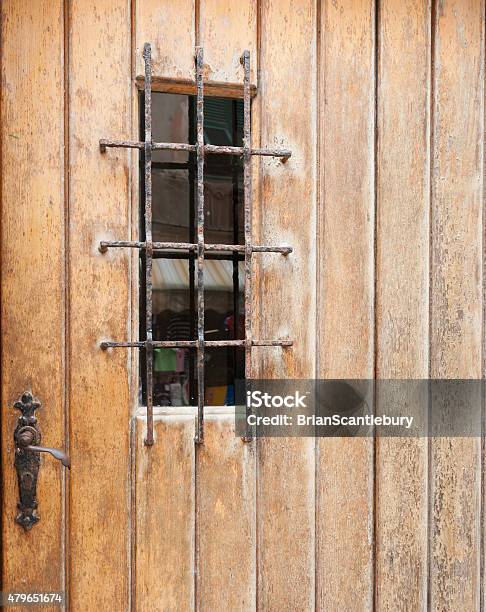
66, 300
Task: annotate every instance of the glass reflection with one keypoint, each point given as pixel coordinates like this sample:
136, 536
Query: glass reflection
174, 273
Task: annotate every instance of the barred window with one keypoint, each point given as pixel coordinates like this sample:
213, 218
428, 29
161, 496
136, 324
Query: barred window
174, 307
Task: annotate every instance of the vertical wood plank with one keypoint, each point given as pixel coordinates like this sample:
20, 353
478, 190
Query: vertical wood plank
33, 278
225, 465
165, 515
169, 28
344, 520
165, 487
226, 29
225, 519
402, 300
456, 293
286, 466
99, 104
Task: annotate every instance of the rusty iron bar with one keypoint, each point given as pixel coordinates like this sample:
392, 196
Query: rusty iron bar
125, 144
106, 344
247, 212
207, 148
200, 243
187, 246
224, 150
149, 351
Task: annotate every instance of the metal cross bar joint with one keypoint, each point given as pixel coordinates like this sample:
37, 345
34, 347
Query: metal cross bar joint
199, 249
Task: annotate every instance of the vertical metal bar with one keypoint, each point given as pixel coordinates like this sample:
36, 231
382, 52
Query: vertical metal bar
149, 350
236, 230
200, 243
142, 306
247, 195
191, 261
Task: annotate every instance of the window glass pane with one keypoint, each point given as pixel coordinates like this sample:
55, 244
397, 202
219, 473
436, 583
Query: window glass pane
170, 123
172, 321
174, 369
170, 205
223, 182
174, 273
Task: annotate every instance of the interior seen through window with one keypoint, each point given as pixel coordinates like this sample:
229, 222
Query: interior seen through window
174, 272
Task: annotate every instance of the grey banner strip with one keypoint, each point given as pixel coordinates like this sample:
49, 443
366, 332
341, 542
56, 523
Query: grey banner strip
360, 408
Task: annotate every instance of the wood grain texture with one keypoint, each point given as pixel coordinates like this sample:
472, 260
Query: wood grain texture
225, 465
344, 513
165, 515
170, 28
226, 29
164, 488
274, 529
217, 89
225, 519
286, 488
456, 293
99, 107
402, 298
32, 135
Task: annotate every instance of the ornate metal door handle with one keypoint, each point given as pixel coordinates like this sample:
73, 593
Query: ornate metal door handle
27, 437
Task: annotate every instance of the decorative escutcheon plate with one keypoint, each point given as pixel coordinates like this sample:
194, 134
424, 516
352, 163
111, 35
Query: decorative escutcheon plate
27, 462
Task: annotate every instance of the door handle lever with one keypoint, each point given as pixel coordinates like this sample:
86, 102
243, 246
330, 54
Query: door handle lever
27, 437
55, 452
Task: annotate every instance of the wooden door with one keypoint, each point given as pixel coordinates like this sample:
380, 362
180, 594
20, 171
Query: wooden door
382, 105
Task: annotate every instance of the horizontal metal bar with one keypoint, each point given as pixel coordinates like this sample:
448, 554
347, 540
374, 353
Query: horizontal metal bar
155, 344
137, 244
281, 342
188, 246
173, 146
194, 343
240, 248
223, 150
191, 255
137, 144
182, 146
127, 144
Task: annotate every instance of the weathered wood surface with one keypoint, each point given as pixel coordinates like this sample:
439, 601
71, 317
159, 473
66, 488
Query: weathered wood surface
32, 290
456, 341
99, 503
225, 476
225, 519
386, 221
164, 546
225, 30
170, 28
165, 510
286, 466
344, 505
402, 298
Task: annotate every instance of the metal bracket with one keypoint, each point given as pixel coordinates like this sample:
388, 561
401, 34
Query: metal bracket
27, 437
